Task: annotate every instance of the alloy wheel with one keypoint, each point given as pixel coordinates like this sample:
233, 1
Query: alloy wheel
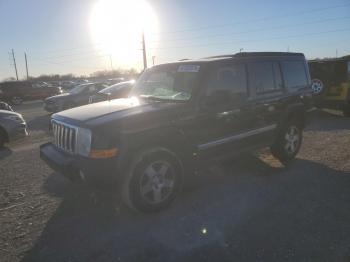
157, 182
292, 140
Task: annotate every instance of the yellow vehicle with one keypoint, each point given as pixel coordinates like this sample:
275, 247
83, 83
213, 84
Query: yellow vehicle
331, 83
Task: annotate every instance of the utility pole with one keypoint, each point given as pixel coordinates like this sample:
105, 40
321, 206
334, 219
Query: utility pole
336, 53
144, 51
14, 63
25, 58
111, 61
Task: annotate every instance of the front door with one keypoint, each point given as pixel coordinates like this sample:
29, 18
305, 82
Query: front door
224, 118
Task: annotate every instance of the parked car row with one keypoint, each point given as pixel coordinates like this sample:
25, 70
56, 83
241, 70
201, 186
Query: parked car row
18, 91
85, 94
12, 125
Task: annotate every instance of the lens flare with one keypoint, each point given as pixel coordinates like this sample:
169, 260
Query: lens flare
117, 26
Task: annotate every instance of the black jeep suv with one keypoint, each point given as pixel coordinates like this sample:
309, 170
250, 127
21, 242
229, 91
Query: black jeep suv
180, 115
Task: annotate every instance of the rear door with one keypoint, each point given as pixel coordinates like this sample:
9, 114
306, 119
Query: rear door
268, 95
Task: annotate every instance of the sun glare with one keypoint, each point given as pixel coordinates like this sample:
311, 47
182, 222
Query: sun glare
117, 26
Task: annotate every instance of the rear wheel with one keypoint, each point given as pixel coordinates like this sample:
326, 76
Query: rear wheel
317, 86
288, 142
153, 181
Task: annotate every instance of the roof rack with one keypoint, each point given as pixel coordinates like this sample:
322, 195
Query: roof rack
243, 54
249, 54
218, 56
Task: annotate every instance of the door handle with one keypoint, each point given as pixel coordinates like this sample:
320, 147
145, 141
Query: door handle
229, 113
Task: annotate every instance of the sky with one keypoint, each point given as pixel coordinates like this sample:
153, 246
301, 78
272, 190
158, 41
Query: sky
59, 36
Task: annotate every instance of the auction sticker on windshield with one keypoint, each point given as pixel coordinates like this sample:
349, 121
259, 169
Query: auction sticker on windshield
188, 68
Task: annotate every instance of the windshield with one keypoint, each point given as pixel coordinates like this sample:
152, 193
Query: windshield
168, 82
78, 89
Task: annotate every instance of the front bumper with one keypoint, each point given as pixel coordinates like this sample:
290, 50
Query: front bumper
76, 168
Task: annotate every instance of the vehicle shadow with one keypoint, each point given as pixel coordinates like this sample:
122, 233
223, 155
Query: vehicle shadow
245, 209
5, 152
327, 121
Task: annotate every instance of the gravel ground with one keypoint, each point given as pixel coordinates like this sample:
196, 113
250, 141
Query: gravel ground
249, 209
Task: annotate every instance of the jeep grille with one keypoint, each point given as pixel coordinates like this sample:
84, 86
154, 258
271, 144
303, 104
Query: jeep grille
65, 136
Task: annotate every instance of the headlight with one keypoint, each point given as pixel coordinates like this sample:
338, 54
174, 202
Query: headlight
15, 118
84, 141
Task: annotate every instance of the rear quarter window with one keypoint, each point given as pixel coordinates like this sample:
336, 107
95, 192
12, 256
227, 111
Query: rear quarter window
294, 74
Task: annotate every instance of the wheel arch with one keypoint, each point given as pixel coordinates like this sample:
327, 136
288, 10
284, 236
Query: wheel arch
295, 112
167, 139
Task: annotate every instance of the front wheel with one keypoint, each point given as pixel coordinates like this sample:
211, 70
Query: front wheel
153, 181
288, 142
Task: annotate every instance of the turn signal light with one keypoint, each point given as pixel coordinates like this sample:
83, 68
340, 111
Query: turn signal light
105, 153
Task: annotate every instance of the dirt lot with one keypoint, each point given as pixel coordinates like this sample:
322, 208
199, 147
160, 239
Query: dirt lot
251, 209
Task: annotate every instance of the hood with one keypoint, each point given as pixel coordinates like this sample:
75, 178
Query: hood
95, 114
4, 113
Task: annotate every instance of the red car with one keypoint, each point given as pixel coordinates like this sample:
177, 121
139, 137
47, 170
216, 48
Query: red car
17, 91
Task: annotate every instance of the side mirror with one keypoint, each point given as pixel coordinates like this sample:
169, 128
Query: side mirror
218, 98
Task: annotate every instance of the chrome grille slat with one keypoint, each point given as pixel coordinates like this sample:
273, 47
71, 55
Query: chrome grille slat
64, 136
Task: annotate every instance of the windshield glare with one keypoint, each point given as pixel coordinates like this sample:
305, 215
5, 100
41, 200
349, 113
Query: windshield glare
167, 83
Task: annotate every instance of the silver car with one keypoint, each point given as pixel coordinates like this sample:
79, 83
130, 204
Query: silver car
12, 127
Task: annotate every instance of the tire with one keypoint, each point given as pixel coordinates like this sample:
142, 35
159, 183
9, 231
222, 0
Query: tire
3, 138
346, 111
317, 86
288, 142
153, 180
16, 100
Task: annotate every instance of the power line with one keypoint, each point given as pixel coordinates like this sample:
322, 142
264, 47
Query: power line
255, 20
247, 41
90, 46
69, 55
63, 64
255, 30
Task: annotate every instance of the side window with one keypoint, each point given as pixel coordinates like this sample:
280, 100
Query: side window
262, 77
294, 74
277, 75
229, 81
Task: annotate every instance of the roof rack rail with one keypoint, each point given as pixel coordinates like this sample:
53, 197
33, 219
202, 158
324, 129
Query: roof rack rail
218, 56
248, 54
243, 54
